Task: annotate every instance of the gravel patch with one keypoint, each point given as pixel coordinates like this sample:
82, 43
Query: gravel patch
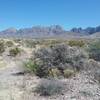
20, 87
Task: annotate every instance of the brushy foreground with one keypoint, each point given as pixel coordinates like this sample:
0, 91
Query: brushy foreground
50, 69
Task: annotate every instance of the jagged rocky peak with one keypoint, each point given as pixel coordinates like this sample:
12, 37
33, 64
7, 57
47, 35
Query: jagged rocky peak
50, 31
88, 30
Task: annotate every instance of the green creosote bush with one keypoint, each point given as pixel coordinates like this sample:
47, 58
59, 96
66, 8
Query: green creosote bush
31, 66
49, 87
78, 43
14, 51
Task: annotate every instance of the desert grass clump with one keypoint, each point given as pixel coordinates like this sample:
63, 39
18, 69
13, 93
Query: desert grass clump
31, 66
2, 46
94, 50
17, 40
78, 43
30, 43
14, 51
68, 73
49, 87
59, 57
9, 43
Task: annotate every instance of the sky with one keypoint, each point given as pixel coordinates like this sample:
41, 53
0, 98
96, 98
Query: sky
67, 13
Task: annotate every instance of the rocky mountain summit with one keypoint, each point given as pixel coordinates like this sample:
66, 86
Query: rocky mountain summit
50, 31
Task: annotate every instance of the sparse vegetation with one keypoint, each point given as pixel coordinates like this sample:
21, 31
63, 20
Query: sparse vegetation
17, 40
55, 73
9, 43
2, 46
30, 43
68, 73
48, 64
79, 43
31, 66
50, 87
94, 50
14, 51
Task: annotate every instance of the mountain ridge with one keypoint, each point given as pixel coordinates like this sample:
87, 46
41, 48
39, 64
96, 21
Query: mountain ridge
50, 31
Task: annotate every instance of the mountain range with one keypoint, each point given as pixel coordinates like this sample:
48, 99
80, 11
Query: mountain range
51, 31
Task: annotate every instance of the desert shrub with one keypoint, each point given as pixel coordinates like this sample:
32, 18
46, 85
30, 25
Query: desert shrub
30, 43
9, 43
14, 51
52, 42
49, 87
68, 73
2, 46
17, 40
94, 50
59, 57
42, 71
78, 43
31, 66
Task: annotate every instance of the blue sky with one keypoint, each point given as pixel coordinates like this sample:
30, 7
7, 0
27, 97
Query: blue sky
67, 13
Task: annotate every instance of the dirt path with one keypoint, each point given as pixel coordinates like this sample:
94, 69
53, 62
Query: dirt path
9, 89
12, 86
